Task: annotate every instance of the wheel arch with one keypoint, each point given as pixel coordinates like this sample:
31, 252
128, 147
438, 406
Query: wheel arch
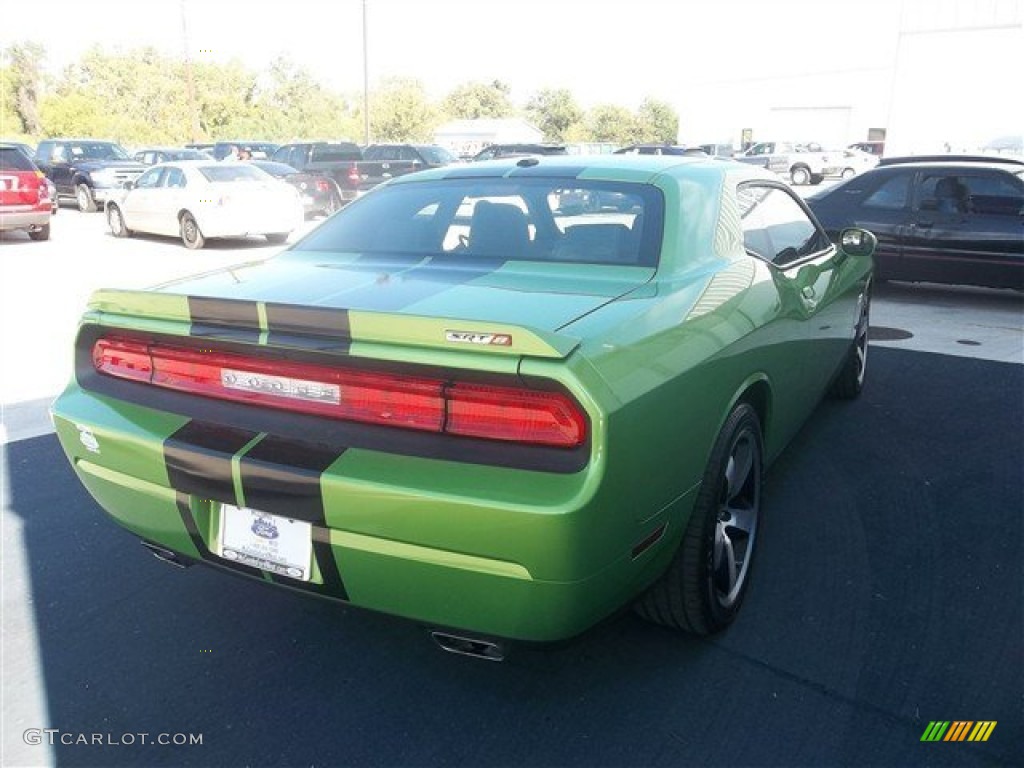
756, 391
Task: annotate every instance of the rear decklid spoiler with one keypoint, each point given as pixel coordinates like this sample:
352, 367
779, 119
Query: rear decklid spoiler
314, 327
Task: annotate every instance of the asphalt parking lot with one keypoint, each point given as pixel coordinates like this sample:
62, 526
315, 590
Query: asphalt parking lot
887, 594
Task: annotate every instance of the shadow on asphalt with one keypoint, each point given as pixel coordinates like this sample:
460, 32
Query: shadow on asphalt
887, 593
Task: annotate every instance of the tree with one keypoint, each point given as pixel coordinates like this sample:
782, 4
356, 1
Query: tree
609, 122
399, 111
554, 111
474, 100
23, 65
657, 121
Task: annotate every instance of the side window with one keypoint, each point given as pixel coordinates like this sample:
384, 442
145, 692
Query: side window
892, 195
60, 154
174, 178
150, 179
488, 154
775, 227
998, 194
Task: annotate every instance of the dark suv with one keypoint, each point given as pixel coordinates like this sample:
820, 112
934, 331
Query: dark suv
89, 170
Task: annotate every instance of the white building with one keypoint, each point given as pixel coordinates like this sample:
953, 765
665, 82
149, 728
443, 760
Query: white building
465, 138
942, 75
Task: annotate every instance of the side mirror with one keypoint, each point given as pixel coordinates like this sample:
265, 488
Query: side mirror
857, 242
128, 185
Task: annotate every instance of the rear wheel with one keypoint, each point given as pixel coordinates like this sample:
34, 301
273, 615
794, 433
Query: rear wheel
276, 238
115, 220
850, 380
191, 236
85, 199
704, 585
43, 233
800, 175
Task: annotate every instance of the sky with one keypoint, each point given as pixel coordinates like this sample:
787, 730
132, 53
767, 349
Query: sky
604, 52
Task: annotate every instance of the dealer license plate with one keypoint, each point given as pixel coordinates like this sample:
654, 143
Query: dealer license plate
268, 542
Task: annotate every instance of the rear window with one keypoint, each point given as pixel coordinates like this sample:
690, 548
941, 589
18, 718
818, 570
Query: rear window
554, 220
13, 159
334, 153
232, 172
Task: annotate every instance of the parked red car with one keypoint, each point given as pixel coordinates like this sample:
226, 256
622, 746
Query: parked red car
24, 194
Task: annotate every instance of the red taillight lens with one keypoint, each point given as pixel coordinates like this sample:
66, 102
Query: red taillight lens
519, 415
322, 185
353, 175
412, 402
123, 359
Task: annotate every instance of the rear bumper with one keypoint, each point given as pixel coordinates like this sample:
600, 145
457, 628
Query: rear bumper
32, 219
467, 551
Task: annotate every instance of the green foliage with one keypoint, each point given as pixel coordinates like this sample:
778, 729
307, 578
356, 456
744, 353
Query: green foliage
399, 111
474, 100
141, 96
22, 64
608, 122
554, 111
657, 122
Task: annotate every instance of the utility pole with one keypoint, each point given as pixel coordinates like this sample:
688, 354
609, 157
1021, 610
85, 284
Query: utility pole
366, 85
190, 83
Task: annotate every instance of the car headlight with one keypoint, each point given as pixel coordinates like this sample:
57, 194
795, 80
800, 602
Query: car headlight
105, 177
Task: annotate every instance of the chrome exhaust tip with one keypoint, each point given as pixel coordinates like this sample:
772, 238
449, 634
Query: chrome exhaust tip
469, 646
165, 555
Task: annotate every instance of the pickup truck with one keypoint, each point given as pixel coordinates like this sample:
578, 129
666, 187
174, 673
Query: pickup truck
89, 170
355, 171
800, 163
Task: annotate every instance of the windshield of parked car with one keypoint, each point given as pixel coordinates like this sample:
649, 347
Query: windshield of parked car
437, 155
97, 151
232, 172
508, 219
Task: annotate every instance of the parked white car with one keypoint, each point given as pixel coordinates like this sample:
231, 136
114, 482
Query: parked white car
850, 162
202, 199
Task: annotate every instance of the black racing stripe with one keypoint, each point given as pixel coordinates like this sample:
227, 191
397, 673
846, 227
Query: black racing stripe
282, 477
224, 318
320, 328
198, 459
542, 171
182, 501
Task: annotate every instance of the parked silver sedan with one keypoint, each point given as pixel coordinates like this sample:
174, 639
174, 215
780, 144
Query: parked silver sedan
202, 199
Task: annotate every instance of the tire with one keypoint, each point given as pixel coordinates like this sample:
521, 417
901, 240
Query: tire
800, 175
277, 238
848, 173
86, 202
43, 233
849, 382
816, 179
703, 587
115, 220
191, 235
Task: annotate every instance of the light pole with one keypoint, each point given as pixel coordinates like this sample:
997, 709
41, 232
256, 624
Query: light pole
366, 85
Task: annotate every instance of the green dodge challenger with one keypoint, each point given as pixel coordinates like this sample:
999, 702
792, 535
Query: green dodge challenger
502, 400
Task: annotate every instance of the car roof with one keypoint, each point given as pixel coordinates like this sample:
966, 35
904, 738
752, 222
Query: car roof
607, 167
960, 160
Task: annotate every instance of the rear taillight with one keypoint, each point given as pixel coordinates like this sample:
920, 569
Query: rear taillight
429, 404
353, 175
322, 185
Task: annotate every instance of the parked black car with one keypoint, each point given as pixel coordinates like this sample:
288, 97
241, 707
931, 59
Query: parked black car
660, 149
955, 221
320, 196
88, 170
